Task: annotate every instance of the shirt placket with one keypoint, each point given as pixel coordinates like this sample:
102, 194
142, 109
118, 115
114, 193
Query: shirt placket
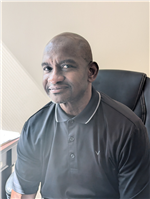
72, 144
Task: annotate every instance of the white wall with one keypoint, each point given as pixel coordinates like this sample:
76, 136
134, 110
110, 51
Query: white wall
20, 95
117, 31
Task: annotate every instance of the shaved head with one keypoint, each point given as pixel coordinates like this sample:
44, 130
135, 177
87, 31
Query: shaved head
73, 43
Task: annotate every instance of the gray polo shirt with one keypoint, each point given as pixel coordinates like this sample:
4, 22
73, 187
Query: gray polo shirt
101, 153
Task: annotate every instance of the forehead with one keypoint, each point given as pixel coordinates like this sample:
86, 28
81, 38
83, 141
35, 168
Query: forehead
63, 48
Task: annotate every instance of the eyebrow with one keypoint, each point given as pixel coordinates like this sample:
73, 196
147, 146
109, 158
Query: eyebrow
61, 62
68, 60
45, 64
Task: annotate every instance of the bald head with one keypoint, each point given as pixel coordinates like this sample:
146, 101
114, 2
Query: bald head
71, 43
68, 71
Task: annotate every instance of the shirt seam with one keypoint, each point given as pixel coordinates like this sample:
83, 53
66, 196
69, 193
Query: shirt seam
121, 112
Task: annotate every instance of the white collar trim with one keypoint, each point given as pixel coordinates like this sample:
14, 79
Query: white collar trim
91, 115
96, 108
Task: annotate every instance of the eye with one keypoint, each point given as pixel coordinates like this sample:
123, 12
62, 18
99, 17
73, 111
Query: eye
47, 69
66, 66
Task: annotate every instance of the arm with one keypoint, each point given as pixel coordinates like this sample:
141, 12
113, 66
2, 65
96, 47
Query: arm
27, 172
134, 165
15, 195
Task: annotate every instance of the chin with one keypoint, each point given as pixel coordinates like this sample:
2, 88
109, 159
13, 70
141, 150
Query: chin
58, 100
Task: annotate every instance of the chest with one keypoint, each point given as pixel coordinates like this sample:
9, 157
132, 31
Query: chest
78, 161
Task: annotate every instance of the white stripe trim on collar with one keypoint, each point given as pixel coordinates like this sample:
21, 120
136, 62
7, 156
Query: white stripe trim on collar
56, 112
91, 115
96, 108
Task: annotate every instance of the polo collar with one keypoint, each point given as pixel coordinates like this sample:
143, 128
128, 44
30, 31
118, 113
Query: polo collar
86, 115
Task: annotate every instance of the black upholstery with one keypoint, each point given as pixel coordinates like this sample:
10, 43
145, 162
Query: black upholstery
128, 87
147, 102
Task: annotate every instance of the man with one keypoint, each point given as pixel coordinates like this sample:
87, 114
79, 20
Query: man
83, 144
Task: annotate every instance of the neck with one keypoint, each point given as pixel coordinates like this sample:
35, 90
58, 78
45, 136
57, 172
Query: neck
76, 107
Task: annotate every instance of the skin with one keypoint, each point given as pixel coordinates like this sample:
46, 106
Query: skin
15, 195
68, 72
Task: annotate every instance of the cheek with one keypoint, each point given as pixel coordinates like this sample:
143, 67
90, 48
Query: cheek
78, 81
44, 81
82, 77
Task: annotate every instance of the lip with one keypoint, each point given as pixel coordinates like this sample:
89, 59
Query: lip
57, 89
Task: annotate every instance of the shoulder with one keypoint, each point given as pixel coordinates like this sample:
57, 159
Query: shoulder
38, 117
37, 127
125, 130
119, 113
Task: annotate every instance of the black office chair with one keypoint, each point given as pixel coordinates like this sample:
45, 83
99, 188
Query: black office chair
127, 87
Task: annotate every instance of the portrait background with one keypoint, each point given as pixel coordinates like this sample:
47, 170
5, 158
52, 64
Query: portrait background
118, 33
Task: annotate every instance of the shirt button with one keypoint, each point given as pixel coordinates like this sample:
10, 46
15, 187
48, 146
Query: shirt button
71, 139
72, 155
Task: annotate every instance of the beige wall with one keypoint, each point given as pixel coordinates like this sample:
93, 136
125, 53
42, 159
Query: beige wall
117, 31
149, 39
20, 95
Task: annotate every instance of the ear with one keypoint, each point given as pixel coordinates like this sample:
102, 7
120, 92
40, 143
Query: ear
93, 71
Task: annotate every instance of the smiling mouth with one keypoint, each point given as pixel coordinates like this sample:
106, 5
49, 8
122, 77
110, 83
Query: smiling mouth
57, 89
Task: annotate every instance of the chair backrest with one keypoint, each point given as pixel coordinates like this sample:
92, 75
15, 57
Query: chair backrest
128, 87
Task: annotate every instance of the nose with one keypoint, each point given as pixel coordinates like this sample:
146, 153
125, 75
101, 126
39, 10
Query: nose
55, 77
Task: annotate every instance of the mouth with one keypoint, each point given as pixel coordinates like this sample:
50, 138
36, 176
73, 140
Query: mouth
59, 89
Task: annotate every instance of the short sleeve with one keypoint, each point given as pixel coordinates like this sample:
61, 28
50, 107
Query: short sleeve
28, 165
134, 165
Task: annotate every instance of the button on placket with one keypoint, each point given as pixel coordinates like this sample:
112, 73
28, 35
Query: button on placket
72, 155
71, 139
71, 121
72, 143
